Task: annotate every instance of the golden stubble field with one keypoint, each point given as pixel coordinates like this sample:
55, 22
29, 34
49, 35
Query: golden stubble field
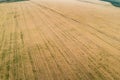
59, 40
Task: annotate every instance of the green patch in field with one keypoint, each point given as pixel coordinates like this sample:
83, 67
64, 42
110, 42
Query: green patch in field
113, 2
5, 53
8, 1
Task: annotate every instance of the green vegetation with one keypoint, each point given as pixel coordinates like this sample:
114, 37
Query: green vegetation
114, 2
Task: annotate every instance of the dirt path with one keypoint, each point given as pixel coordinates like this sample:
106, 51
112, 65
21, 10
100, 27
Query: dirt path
59, 40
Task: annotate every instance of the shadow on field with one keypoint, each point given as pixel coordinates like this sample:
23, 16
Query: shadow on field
9, 1
113, 2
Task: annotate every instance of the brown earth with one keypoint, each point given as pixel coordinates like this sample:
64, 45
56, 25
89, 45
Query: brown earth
59, 40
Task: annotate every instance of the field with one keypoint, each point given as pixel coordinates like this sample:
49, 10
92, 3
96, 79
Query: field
59, 40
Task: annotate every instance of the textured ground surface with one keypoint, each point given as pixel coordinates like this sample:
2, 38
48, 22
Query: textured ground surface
59, 40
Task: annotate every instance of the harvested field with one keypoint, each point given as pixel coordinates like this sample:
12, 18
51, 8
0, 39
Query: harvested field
59, 40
